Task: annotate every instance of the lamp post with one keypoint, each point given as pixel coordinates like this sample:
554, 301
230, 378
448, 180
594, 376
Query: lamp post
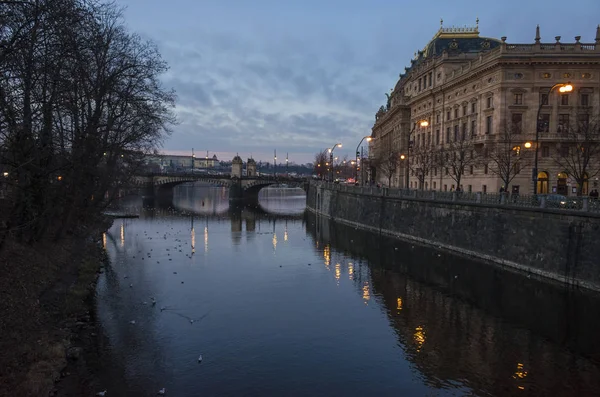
331, 158
193, 156
368, 138
422, 123
275, 164
534, 173
287, 173
403, 157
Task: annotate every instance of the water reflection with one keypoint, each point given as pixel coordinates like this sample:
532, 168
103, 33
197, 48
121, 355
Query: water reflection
284, 320
464, 324
281, 200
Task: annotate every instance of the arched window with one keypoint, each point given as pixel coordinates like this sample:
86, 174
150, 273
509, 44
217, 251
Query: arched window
561, 184
542, 183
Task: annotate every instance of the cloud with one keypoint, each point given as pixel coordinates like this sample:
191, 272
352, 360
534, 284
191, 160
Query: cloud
243, 95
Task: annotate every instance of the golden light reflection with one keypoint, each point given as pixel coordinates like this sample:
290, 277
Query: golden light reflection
193, 240
399, 304
520, 374
350, 271
366, 293
274, 241
122, 234
104, 240
419, 337
327, 255
285, 235
205, 238
338, 271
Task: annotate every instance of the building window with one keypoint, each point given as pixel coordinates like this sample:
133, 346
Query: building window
435, 172
563, 151
456, 113
464, 110
434, 185
518, 99
464, 131
564, 99
544, 99
583, 121
544, 123
448, 135
448, 115
419, 84
445, 188
484, 188
424, 81
517, 123
447, 171
485, 169
437, 119
584, 100
563, 123
473, 127
488, 125
489, 102
437, 137
473, 107
456, 133
471, 170
545, 151
470, 188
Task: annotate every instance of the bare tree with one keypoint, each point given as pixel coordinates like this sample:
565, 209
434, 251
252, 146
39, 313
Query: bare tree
386, 162
457, 156
80, 103
421, 162
507, 155
321, 163
579, 152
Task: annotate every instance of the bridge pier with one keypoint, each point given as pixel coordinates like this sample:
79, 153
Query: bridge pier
236, 191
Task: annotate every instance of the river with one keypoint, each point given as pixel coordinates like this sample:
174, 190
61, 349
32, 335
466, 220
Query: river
287, 304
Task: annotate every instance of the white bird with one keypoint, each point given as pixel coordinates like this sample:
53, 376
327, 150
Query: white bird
162, 391
200, 359
153, 301
132, 322
101, 393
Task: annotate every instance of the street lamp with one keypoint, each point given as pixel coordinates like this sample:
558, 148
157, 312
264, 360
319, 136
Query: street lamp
275, 164
562, 87
286, 165
331, 158
369, 138
422, 123
193, 155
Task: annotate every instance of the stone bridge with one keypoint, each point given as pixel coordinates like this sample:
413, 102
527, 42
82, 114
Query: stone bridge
245, 188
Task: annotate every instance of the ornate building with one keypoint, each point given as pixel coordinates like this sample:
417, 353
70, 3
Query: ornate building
463, 115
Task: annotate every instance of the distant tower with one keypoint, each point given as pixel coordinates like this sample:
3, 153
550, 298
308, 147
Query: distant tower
251, 167
236, 167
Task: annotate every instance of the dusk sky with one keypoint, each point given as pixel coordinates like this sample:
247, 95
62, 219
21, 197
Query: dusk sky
298, 76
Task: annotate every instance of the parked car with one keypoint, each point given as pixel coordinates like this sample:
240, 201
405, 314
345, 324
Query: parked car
560, 201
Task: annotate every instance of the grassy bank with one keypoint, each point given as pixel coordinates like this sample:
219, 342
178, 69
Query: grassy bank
45, 301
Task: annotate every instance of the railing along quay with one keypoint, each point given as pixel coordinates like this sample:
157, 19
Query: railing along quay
570, 203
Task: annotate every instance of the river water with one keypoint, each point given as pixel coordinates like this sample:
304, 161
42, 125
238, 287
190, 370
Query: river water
287, 304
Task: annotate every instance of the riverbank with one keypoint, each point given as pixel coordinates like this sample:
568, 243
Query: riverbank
46, 308
554, 245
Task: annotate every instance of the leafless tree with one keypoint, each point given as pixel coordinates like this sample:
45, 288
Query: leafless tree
578, 154
321, 163
457, 156
80, 104
508, 155
421, 162
386, 162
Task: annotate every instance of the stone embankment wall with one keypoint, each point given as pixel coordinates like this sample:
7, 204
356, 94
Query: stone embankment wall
558, 245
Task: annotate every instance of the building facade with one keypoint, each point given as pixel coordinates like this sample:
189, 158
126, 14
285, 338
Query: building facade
471, 112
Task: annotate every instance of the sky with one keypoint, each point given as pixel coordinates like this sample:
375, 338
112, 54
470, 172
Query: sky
254, 76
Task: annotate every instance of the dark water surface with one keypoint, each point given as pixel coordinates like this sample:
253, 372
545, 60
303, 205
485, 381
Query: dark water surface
287, 304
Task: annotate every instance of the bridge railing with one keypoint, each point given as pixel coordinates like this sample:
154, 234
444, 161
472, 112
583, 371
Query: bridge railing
554, 202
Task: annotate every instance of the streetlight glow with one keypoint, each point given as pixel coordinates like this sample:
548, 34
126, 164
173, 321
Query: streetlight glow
5, 174
566, 88
424, 123
369, 138
402, 157
527, 145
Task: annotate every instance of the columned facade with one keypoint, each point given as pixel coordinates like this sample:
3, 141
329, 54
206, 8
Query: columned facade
464, 116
